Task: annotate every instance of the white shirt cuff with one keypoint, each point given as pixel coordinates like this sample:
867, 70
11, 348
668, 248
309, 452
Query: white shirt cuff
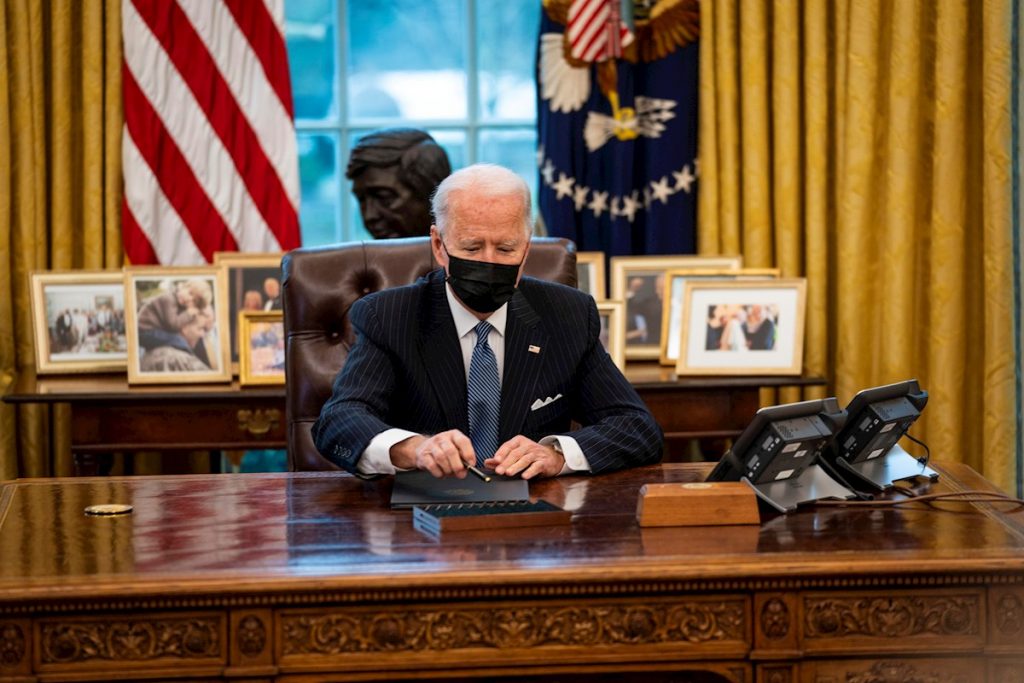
376, 459
575, 461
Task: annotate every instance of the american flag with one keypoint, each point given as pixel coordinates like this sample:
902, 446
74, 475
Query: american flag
208, 148
596, 31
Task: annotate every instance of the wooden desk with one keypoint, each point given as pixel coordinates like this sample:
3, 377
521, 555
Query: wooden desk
309, 577
109, 416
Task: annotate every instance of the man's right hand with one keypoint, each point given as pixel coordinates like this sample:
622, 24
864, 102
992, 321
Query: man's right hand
443, 455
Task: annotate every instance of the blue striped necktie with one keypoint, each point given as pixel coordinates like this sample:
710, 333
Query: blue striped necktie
483, 393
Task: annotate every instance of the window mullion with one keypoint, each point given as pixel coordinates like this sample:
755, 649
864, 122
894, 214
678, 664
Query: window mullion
472, 83
341, 78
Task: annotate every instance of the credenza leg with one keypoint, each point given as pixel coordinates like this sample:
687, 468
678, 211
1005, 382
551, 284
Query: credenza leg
86, 465
92, 464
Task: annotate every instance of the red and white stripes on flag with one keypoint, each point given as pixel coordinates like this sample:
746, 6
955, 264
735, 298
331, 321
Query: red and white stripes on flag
596, 31
209, 151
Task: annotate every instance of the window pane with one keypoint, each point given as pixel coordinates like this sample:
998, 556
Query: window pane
320, 184
407, 60
311, 35
506, 46
454, 143
514, 148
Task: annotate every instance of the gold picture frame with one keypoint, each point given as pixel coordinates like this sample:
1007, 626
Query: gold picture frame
635, 280
261, 347
248, 276
672, 306
78, 321
613, 331
176, 324
743, 328
590, 274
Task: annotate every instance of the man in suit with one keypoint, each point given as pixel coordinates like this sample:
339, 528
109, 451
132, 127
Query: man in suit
429, 386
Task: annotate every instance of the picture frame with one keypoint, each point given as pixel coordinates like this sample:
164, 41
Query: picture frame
717, 321
639, 282
672, 306
248, 276
590, 274
613, 330
261, 347
177, 325
78, 321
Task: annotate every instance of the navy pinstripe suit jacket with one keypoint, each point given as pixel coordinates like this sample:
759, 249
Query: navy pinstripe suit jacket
406, 370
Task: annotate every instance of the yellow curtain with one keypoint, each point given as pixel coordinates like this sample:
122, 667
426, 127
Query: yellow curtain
60, 186
865, 145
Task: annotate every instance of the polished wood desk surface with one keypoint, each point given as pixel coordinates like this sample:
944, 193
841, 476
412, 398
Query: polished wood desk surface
310, 577
236, 533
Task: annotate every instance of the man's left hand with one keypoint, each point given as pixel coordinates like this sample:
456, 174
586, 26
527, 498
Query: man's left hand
527, 458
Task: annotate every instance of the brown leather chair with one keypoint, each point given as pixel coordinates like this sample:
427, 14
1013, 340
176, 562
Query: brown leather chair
320, 284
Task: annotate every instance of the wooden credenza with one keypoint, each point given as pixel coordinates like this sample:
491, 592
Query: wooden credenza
108, 415
310, 577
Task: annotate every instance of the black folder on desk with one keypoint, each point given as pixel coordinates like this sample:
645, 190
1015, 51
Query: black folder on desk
419, 487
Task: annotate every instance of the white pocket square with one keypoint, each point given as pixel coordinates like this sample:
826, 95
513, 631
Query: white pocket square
540, 403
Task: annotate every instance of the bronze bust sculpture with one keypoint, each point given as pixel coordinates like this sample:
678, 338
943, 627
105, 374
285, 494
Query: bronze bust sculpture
393, 172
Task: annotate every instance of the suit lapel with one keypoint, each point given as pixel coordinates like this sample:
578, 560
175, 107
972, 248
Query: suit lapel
522, 366
442, 355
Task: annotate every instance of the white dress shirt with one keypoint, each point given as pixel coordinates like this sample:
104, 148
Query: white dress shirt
376, 459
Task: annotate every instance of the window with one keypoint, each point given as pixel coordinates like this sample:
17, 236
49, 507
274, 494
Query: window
463, 70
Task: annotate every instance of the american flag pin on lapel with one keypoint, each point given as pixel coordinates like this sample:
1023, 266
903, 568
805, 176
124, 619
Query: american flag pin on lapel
533, 348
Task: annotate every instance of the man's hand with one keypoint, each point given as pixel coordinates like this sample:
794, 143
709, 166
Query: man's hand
443, 455
520, 455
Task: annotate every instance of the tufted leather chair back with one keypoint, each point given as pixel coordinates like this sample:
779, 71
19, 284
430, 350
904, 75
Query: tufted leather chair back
321, 284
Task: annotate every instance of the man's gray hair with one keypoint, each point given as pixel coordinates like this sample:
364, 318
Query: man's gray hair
488, 180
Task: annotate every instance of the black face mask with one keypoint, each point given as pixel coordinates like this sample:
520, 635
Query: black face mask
484, 287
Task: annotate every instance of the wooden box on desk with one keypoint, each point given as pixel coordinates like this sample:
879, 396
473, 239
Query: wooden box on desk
697, 504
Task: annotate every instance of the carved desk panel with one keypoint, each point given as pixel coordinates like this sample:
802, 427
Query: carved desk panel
310, 577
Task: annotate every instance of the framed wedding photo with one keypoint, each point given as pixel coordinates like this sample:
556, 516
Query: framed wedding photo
261, 347
590, 274
639, 281
79, 321
254, 284
613, 332
675, 287
743, 328
177, 325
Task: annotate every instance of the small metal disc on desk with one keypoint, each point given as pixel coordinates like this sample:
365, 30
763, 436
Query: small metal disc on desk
108, 509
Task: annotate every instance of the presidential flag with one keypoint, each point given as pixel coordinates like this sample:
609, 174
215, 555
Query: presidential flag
617, 124
208, 149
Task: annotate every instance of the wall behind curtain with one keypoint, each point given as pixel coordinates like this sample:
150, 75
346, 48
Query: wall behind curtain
865, 145
60, 185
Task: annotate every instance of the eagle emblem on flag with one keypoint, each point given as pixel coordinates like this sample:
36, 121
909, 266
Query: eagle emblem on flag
596, 34
617, 114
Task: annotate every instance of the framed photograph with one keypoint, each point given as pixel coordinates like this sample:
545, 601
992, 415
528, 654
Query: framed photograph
640, 282
254, 284
590, 274
743, 328
78, 321
672, 309
261, 347
613, 331
177, 325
